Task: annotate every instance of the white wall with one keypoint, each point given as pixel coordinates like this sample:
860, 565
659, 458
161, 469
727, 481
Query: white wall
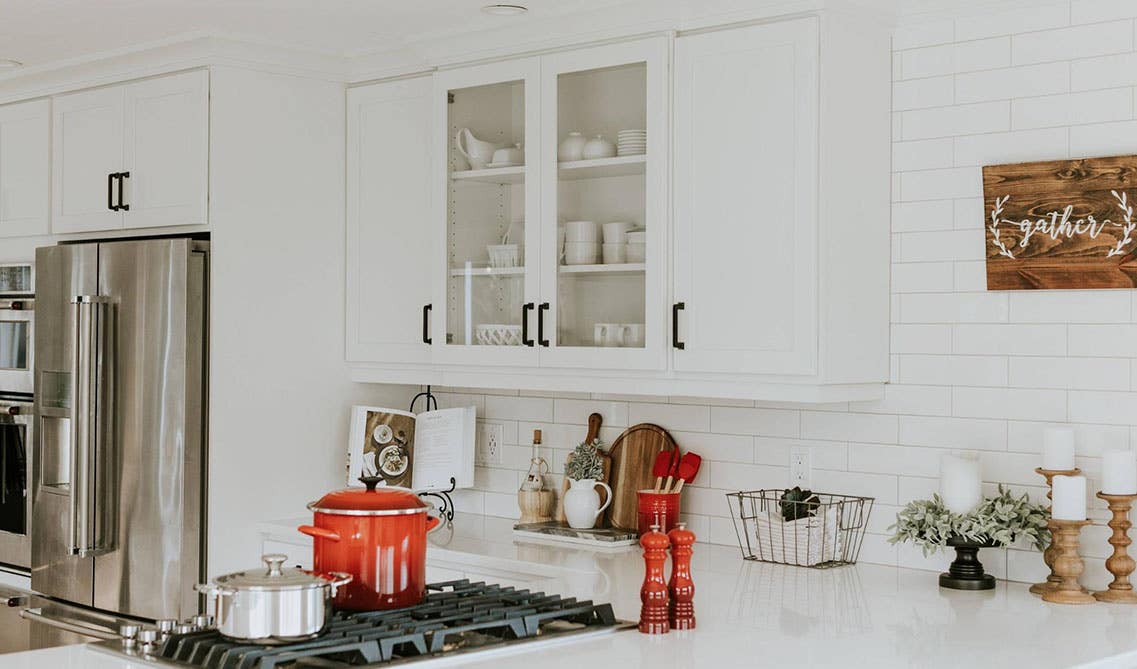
280, 398
970, 369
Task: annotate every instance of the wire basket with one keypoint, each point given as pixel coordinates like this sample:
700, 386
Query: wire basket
824, 531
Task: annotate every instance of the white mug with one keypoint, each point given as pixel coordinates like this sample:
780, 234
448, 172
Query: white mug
633, 334
609, 334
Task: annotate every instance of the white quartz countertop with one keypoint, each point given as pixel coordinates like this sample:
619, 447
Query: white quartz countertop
860, 616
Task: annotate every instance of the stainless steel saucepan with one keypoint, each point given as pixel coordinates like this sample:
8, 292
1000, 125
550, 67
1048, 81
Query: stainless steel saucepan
275, 605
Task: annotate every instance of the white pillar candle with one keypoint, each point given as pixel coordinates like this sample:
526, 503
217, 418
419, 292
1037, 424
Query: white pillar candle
1058, 449
1118, 473
1069, 498
960, 485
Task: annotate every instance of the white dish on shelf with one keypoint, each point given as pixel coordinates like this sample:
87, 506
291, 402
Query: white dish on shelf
616, 231
497, 334
636, 236
637, 252
582, 231
504, 255
582, 253
615, 254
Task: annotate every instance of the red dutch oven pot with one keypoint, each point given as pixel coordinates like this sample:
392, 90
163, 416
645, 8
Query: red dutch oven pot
377, 535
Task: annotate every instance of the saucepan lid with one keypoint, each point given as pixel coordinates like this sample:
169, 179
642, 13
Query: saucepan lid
371, 501
275, 576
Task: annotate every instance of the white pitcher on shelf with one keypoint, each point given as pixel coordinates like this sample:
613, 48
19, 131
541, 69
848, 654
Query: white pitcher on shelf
582, 503
478, 152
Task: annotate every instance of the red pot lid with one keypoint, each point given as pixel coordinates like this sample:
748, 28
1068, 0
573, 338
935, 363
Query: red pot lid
370, 501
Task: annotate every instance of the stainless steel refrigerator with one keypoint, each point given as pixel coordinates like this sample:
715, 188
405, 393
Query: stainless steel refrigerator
120, 401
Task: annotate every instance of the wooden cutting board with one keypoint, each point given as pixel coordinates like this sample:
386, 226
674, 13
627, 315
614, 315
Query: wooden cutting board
594, 421
633, 456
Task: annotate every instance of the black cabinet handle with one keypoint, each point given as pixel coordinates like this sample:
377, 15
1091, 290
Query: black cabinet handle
541, 324
528, 306
122, 176
110, 191
675, 308
426, 323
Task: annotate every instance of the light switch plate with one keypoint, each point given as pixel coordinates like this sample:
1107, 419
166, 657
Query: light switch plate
488, 446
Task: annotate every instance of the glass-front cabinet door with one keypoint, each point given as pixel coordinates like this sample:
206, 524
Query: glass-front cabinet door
487, 233
604, 139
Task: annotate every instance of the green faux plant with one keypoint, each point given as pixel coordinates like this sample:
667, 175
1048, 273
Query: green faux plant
585, 462
797, 504
1001, 520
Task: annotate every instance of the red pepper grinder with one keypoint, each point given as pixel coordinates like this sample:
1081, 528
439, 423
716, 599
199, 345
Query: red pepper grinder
653, 593
681, 587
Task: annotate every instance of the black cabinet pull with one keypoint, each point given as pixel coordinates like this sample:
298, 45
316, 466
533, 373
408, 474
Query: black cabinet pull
122, 176
110, 191
675, 325
426, 323
541, 324
525, 324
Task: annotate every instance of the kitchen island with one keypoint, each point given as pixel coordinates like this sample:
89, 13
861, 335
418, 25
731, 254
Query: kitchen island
860, 616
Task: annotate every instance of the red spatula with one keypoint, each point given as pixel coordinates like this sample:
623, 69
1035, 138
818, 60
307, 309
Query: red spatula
664, 464
688, 468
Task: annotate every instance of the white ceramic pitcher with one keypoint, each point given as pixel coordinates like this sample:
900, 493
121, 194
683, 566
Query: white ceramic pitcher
477, 151
582, 503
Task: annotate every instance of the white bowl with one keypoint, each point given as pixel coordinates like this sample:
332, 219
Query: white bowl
614, 232
615, 253
582, 253
497, 334
637, 252
582, 231
636, 236
504, 255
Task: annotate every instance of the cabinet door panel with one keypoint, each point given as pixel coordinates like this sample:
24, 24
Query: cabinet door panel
25, 169
87, 135
166, 151
388, 221
746, 182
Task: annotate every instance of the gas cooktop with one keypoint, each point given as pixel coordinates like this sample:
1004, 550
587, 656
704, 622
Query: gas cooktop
455, 617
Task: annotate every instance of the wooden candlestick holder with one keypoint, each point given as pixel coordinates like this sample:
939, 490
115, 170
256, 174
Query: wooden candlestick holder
1119, 564
1051, 551
1068, 564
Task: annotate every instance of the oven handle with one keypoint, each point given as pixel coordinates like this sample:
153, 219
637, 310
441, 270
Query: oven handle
87, 394
38, 616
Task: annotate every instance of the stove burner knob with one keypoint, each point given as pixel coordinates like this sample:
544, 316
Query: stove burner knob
183, 629
203, 622
166, 625
148, 637
129, 634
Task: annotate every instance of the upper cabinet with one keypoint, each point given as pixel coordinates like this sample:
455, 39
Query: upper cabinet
25, 172
132, 155
388, 221
703, 215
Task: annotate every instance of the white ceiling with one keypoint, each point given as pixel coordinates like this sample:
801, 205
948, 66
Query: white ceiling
37, 32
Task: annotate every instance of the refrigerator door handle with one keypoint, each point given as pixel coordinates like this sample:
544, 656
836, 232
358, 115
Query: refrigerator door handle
86, 394
75, 627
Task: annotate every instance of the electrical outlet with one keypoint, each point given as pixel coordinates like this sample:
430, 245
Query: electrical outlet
488, 446
800, 466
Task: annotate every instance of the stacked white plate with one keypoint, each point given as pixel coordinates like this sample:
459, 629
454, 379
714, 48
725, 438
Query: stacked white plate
631, 142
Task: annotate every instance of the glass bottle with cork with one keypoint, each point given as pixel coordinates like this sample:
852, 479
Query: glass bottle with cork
534, 499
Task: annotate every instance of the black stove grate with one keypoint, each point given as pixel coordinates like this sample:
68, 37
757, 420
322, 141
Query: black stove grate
455, 617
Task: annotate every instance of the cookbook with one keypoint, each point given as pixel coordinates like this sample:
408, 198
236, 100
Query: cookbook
417, 451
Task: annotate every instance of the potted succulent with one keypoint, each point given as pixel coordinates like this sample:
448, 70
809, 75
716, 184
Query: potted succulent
998, 521
582, 502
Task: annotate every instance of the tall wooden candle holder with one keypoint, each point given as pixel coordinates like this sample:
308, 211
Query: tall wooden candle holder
1068, 564
1119, 564
1051, 551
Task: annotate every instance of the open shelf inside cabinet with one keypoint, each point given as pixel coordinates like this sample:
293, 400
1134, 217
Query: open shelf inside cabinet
611, 268
492, 175
619, 166
487, 271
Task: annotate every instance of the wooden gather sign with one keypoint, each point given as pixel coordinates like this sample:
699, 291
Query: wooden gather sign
1061, 224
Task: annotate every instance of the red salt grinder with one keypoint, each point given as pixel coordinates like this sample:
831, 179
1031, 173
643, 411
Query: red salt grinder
681, 614
653, 593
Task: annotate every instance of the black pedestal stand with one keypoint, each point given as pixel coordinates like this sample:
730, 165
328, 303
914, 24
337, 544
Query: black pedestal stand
966, 572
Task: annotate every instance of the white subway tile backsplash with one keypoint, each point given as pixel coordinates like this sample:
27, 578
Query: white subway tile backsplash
970, 369
1074, 42
1028, 18
1115, 104
1012, 82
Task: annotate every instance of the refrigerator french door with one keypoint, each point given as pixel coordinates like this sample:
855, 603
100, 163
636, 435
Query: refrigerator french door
120, 399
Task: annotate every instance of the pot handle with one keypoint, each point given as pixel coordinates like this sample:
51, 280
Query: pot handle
319, 532
211, 589
339, 579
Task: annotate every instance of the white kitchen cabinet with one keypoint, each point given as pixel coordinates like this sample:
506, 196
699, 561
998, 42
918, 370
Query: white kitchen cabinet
132, 155
389, 221
781, 243
25, 171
